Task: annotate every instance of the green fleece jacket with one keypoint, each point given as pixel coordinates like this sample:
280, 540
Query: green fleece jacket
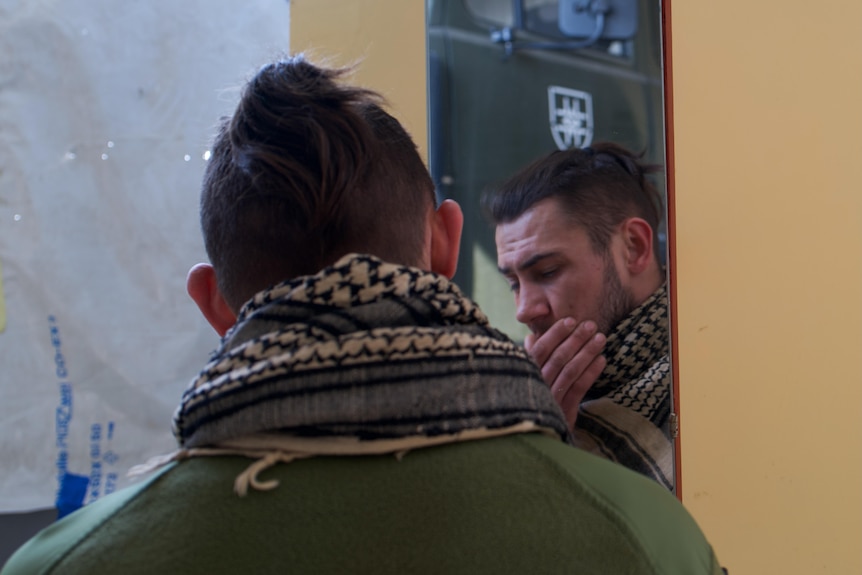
516, 504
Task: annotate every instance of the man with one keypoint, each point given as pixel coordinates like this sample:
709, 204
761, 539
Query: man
360, 415
576, 240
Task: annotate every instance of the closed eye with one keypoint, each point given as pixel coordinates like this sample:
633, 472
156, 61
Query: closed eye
548, 273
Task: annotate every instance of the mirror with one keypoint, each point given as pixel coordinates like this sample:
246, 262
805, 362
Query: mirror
512, 80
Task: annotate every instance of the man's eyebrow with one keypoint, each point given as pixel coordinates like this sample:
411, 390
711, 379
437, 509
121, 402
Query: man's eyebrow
527, 263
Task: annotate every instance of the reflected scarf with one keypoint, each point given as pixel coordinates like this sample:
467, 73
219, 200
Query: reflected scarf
626, 415
365, 351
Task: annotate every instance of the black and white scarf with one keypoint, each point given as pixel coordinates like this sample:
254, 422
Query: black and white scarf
368, 351
626, 416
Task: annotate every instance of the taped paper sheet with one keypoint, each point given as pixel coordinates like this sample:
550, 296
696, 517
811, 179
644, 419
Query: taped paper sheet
106, 112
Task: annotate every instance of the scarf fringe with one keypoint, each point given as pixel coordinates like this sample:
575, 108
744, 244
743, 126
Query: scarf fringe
270, 449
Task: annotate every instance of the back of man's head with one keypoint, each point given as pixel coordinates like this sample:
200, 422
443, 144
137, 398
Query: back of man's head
598, 187
307, 170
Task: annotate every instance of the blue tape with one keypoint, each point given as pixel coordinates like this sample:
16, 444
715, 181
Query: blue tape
70, 497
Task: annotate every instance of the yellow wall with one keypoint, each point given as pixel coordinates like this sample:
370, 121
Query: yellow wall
389, 37
768, 137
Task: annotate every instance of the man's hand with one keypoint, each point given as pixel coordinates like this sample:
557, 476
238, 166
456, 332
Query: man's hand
569, 355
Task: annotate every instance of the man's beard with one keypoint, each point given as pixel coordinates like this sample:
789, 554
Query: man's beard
617, 302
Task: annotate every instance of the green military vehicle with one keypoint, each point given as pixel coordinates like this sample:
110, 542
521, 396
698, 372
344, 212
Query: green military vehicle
511, 80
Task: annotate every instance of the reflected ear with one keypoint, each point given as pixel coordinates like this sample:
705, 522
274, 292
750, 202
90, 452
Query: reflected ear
637, 237
446, 226
203, 288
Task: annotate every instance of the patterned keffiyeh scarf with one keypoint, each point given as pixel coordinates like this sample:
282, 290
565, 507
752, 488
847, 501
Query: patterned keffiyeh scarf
626, 415
367, 351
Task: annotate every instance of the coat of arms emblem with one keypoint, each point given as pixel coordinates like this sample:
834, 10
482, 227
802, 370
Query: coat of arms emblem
571, 114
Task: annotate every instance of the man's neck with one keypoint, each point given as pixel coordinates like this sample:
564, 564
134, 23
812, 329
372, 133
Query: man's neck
647, 284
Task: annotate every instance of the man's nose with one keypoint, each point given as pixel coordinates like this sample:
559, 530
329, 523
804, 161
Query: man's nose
530, 305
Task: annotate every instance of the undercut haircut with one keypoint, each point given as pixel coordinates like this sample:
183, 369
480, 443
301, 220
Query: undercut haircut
309, 169
597, 187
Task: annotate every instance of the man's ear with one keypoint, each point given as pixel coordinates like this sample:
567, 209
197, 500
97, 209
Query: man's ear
203, 288
637, 238
446, 226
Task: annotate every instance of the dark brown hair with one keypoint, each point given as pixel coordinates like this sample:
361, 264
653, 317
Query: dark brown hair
307, 170
598, 187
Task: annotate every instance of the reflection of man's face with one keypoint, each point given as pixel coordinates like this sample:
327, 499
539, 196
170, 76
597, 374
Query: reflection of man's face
554, 272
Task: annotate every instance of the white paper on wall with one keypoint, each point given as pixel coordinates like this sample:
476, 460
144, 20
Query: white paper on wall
106, 112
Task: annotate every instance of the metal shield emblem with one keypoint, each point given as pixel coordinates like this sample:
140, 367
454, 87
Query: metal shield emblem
571, 114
